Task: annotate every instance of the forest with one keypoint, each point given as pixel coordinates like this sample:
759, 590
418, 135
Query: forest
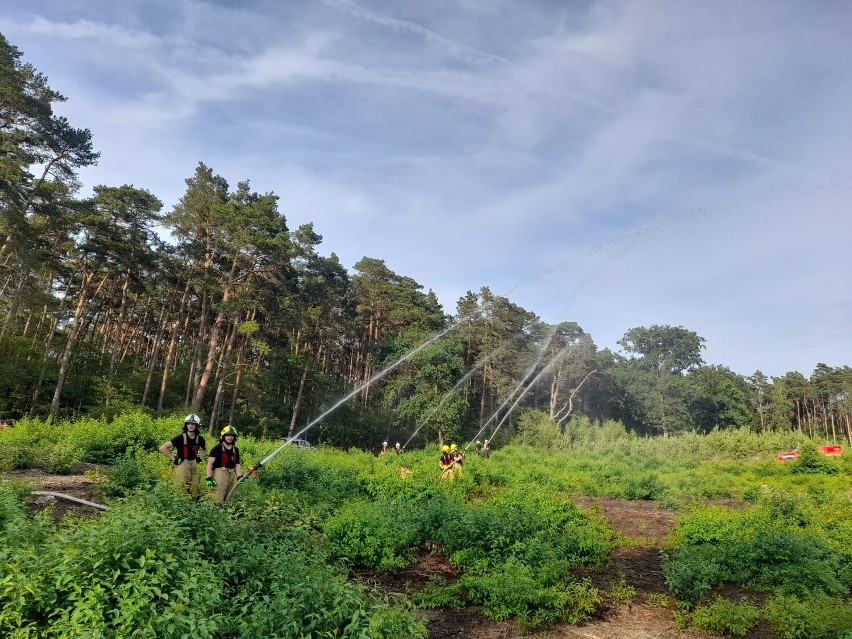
635, 493
113, 302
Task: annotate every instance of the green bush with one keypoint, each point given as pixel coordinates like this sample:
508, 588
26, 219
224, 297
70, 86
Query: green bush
328, 478
191, 570
134, 470
647, 487
774, 547
514, 589
62, 458
374, 535
817, 617
724, 617
811, 462
15, 457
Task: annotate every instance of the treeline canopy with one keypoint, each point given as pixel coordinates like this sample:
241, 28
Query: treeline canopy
245, 321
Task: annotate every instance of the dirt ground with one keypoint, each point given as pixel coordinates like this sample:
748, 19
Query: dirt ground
77, 484
637, 563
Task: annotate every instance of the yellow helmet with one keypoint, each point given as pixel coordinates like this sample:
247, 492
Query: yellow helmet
228, 430
453, 448
445, 449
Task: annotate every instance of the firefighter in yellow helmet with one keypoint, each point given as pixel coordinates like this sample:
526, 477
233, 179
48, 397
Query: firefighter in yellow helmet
223, 464
446, 461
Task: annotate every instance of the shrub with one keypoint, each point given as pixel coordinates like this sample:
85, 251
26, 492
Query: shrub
62, 458
772, 547
810, 461
647, 487
134, 470
374, 535
14, 457
190, 570
325, 478
724, 617
816, 617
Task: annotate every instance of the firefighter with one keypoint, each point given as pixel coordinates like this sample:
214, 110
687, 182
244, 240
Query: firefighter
223, 464
398, 449
486, 450
478, 447
458, 459
446, 460
189, 449
384, 450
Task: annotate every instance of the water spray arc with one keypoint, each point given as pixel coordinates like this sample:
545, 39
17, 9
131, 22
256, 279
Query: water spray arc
542, 349
535, 379
457, 385
253, 470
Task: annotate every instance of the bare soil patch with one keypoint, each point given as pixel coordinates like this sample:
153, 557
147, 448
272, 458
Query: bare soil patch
76, 484
648, 526
638, 563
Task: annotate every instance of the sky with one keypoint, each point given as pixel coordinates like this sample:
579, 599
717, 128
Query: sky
614, 163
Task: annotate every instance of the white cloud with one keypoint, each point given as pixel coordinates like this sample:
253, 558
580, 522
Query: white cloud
619, 163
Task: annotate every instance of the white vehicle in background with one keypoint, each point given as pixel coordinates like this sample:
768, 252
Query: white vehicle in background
301, 443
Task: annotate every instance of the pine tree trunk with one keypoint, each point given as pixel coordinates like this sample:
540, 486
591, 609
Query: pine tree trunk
117, 336
73, 333
223, 374
155, 350
298, 401
170, 351
213, 343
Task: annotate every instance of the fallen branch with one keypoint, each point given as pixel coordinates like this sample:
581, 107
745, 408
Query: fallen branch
70, 498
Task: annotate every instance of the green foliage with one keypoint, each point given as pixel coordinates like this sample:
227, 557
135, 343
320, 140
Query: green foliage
811, 617
111, 577
440, 595
516, 550
785, 545
61, 458
136, 469
646, 487
85, 440
515, 589
724, 617
327, 477
811, 462
507, 523
14, 457
535, 428
375, 535
190, 571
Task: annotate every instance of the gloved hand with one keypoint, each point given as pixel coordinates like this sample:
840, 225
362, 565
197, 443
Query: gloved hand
210, 483
177, 461
198, 459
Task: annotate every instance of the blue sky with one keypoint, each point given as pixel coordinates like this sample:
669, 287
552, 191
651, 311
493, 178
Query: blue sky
614, 163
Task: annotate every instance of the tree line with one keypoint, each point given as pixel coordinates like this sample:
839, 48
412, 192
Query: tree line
242, 319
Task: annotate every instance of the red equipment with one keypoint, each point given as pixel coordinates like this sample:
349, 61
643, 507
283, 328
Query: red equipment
825, 450
831, 450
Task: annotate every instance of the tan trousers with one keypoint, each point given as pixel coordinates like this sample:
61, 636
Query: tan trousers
225, 478
186, 477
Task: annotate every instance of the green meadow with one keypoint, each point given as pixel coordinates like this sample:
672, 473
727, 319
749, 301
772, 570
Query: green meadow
281, 560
